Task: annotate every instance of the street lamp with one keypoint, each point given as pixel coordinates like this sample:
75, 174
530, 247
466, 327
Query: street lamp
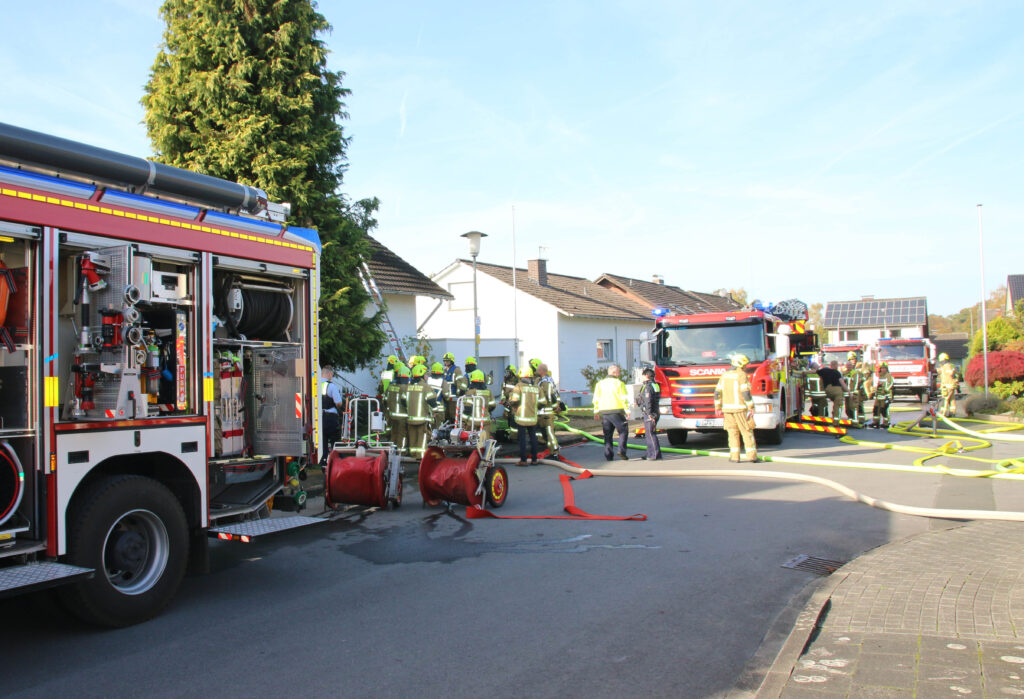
474, 249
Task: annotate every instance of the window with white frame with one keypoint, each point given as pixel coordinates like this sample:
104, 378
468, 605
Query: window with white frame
848, 336
604, 350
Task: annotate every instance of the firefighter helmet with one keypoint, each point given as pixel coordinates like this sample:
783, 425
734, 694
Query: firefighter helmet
883, 365
943, 357
449, 356
851, 355
511, 367
477, 377
534, 363
740, 360
526, 372
419, 370
471, 360
437, 368
401, 369
392, 359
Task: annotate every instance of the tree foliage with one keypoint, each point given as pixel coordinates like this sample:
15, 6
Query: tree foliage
1001, 332
240, 90
1003, 366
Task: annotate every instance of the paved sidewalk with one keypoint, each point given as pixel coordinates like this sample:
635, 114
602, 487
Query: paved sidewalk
940, 614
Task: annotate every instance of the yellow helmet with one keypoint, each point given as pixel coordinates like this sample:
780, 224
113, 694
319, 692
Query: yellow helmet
437, 368
392, 359
526, 372
740, 360
477, 377
534, 363
449, 356
419, 370
851, 355
470, 360
943, 357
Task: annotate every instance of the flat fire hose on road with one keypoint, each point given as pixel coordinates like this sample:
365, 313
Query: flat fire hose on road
575, 512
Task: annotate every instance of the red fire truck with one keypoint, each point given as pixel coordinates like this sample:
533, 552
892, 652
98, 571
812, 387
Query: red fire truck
690, 352
840, 353
158, 379
911, 362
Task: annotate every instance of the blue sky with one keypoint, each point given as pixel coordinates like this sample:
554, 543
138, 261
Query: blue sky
797, 149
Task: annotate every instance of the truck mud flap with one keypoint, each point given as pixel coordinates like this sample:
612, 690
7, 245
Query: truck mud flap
38, 576
247, 532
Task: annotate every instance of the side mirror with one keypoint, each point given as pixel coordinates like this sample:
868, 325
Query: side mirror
646, 348
782, 344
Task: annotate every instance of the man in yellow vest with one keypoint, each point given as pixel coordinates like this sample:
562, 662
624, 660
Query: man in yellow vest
526, 402
418, 413
734, 402
611, 405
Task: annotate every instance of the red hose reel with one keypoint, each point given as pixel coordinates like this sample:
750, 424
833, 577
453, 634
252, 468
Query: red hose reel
456, 475
371, 477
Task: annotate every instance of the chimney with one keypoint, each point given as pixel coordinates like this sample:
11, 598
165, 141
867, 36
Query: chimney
538, 271
658, 279
867, 297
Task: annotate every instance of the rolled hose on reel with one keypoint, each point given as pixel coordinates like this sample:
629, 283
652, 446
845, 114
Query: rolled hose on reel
257, 311
12, 482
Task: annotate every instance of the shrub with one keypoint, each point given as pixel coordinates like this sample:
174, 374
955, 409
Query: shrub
1003, 366
593, 374
980, 403
1016, 406
999, 331
1007, 390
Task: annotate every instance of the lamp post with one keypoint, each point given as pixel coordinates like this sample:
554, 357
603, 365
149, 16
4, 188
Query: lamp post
984, 323
474, 238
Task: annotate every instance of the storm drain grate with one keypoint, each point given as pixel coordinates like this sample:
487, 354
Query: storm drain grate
813, 564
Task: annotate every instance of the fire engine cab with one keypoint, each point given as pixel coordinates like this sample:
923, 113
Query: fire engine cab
158, 375
840, 353
911, 362
690, 352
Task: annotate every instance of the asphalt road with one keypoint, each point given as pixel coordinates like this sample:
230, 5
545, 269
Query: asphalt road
421, 602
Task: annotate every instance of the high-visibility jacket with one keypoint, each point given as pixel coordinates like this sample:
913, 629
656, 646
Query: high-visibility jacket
479, 411
610, 396
732, 393
549, 392
813, 383
527, 401
855, 383
396, 400
948, 374
386, 377
417, 407
883, 386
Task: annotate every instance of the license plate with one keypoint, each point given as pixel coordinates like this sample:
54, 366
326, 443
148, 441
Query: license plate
710, 422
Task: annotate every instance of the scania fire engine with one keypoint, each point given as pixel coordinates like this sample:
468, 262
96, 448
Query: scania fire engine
911, 362
158, 382
690, 352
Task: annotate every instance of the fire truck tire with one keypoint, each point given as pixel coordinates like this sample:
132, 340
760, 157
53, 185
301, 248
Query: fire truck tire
496, 485
772, 436
132, 531
676, 438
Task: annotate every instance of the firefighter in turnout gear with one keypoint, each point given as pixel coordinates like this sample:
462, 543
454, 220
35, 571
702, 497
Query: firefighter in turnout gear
949, 385
526, 401
477, 406
387, 375
396, 405
815, 391
883, 397
856, 393
546, 415
436, 383
508, 383
451, 375
648, 400
734, 402
418, 399
462, 381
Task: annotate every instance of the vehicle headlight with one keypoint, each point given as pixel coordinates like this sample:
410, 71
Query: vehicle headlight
763, 407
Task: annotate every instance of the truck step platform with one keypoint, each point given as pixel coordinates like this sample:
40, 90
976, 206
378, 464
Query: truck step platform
248, 531
37, 576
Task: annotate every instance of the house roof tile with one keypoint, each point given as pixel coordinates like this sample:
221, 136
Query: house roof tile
396, 276
1015, 288
676, 300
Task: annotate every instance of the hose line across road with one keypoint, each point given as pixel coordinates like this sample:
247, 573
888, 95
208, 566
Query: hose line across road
915, 439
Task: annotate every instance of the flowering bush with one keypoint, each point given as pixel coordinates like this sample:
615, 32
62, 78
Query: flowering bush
1005, 366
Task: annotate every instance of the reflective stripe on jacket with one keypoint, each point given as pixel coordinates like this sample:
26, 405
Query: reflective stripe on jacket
418, 412
733, 391
527, 399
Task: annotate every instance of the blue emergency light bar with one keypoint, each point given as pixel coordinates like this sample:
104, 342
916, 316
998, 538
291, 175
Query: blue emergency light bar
55, 185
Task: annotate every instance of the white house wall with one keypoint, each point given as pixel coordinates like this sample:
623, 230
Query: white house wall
402, 312
577, 339
869, 335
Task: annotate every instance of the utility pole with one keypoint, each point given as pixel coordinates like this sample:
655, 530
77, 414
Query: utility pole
984, 322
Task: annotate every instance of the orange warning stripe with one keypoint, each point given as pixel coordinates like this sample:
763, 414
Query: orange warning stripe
815, 428
825, 420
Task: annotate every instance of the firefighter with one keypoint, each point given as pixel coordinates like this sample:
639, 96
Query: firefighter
835, 387
883, 397
330, 400
396, 404
436, 383
611, 404
387, 375
418, 399
508, 383
815, 391
546, 416
478, 412
949, 385
451, 375
462, 381
526, 401
734, 402
534, 364
648, 399
856, 393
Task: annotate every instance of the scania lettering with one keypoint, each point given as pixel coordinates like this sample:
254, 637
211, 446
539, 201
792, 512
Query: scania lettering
159, 383
690, 352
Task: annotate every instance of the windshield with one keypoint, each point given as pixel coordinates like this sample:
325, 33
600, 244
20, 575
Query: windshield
829, 356
709, 344
901, 352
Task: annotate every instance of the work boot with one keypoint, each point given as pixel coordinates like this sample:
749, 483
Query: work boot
624, 457
520, 463
533, 462
734, 458
750, 458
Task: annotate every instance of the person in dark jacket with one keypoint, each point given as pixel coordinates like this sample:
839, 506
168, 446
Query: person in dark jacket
835, 387
648, 400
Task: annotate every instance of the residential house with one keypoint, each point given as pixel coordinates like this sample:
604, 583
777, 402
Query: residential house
870, 319
1014, 292
657, 294
568, 322
402, 286
953, 344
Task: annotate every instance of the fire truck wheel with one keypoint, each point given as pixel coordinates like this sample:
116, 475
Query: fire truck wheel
677, 438
132, 531
772, 436
496, 485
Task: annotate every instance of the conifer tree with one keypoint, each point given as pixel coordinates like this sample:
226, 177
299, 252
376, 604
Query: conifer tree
240, 90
